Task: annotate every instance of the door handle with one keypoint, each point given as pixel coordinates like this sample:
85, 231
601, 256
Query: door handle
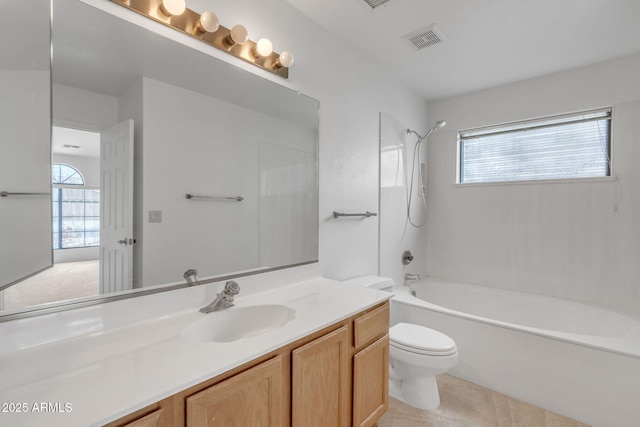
126, 241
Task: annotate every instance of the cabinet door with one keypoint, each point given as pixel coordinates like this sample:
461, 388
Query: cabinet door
252, 398
321, 387
155, 419
371, 383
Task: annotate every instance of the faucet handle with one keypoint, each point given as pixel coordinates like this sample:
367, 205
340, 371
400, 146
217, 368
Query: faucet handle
232, 288
191, 275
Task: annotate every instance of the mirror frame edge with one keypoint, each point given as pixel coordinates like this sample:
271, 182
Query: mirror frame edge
90, 301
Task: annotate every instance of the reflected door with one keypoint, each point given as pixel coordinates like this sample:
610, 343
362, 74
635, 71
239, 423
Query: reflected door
116, 208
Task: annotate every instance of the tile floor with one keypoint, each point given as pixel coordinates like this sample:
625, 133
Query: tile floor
464, 404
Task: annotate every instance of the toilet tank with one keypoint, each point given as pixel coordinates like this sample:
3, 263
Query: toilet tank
373, 282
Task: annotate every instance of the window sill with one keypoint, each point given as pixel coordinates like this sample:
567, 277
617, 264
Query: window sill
536, 182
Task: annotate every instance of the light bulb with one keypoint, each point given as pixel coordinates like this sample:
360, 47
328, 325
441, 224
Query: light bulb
173, 7
237, 35
208, 23
285, 60
264, 47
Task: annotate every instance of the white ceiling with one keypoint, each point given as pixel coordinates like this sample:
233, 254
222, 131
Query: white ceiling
490, 42
75, 142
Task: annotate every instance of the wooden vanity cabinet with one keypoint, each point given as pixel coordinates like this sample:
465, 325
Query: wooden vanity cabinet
335, 377
157, 418
321, 382
370, 388
371, 366
159, 414
340, 382
251, 398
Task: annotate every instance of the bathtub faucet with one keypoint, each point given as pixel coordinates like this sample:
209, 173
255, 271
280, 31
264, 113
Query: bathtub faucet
409, 276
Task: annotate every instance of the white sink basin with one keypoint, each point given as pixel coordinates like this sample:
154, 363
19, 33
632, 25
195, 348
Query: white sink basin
232, 324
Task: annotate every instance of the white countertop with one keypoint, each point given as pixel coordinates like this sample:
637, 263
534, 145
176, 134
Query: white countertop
98, 377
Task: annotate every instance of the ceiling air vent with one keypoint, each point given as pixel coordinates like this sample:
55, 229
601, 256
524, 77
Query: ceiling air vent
425, 37
375, 3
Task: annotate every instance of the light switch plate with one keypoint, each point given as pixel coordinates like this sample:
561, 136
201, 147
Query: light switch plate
155, 216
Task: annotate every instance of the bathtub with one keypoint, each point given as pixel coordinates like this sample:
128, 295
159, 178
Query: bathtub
578, 360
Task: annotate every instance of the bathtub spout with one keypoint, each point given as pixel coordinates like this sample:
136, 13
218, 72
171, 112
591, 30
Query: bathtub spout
409, 276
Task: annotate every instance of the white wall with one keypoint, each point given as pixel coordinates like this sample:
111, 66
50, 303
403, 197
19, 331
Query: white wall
201, 145
288, 212
575, 240
82, 109
24, 167
352, 91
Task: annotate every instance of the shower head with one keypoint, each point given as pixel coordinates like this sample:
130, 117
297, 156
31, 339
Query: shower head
439, 124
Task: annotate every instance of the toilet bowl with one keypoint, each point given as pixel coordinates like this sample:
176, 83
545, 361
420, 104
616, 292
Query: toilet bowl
416, 356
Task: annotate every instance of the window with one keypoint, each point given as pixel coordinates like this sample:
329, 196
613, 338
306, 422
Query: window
76, 210
560, 147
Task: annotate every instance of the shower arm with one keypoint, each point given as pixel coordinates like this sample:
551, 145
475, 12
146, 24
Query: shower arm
439, 124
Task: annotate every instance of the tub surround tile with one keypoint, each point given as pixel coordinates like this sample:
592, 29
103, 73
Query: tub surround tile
465, 404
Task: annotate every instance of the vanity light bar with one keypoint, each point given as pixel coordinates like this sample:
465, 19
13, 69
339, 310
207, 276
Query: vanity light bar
233, 40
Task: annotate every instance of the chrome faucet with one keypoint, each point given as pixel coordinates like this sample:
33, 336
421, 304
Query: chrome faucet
224, 298
409, 276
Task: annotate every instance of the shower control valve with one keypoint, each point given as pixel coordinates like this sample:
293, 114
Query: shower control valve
407, 257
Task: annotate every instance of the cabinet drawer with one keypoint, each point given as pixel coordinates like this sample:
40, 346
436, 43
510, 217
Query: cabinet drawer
371, 326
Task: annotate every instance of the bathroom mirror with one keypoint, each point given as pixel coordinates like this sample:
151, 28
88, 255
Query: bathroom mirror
243, 147
25, 228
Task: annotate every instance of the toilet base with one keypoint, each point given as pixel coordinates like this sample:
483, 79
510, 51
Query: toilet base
421, 393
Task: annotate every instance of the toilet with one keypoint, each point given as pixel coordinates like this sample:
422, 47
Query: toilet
417, 354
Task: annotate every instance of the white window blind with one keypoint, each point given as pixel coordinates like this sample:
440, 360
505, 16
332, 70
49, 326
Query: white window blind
561, 147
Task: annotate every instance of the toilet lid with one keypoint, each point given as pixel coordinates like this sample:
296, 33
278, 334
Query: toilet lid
423, 352
419, 339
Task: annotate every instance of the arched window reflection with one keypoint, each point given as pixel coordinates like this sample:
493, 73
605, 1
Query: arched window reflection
76, 210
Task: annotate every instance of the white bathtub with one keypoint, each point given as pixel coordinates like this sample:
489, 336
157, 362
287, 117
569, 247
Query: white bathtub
575, 359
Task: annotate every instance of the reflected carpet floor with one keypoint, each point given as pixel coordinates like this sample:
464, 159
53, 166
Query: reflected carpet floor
63, 281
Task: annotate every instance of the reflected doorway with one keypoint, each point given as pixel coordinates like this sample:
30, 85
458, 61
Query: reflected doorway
75, 197
92, 218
